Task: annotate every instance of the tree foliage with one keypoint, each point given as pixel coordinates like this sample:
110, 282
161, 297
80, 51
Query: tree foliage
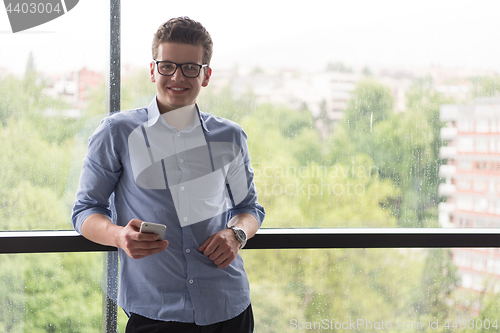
403, 146
486, 86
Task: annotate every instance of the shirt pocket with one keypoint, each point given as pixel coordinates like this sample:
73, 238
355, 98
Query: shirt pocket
207, 196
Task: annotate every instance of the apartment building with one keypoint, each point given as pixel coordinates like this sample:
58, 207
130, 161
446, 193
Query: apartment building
472, 186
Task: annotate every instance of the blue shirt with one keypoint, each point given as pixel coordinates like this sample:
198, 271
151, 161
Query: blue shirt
193, 181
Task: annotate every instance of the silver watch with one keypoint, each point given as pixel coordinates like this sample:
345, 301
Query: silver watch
240, 235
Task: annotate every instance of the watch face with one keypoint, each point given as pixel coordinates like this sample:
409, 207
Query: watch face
241, 235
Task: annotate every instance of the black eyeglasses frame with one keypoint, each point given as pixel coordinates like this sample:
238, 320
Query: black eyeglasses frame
157, 62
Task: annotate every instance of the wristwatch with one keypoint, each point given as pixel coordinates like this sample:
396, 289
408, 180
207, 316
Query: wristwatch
240, 235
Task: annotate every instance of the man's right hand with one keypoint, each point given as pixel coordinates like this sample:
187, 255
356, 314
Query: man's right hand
138, 245
98, 228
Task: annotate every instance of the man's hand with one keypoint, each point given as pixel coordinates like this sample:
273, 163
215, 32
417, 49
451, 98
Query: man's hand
221, 247
99, 229
138, 245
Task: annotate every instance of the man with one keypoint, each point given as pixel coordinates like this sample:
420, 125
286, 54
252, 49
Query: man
171, 164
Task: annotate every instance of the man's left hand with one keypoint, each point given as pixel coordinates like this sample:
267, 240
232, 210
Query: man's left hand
221, 247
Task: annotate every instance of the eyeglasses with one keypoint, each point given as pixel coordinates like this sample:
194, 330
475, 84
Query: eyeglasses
168, 68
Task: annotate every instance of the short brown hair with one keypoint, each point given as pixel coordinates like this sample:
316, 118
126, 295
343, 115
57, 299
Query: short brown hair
186, 31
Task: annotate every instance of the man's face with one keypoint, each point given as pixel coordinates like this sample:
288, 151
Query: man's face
176, 91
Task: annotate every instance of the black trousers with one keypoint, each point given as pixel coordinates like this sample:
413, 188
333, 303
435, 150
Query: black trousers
243, 323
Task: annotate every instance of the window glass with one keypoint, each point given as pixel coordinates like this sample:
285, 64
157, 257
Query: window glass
51, 83
340, 145
465, 125
373, 289
343, 109
466, 145
482, 146
482, 126
288, 288
52, 293
343, 123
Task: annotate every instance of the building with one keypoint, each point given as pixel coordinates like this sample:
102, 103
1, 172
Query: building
74, 88
472, 186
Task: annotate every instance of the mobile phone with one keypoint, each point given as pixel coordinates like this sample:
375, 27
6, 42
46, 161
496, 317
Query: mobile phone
154, 228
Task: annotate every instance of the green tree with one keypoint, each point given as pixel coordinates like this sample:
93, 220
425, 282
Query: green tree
486, 86
438, 283
223, 104
371, 102
404, 147
137, 90
40, 293
338, 66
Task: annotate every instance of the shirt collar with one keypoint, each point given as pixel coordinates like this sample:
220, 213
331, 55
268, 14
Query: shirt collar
154, 114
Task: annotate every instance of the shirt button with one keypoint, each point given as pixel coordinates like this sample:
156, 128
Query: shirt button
191, 281
185, 219
178, 134
188, 250
181, 160
182, 188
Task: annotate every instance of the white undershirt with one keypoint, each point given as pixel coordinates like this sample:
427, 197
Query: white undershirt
181, 118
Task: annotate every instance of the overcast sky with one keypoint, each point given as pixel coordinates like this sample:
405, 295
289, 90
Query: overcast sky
269, 34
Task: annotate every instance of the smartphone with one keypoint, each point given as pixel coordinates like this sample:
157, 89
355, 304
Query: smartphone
154, 228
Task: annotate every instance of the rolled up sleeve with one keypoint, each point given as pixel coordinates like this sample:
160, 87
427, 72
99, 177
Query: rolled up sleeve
100, 173
239, 170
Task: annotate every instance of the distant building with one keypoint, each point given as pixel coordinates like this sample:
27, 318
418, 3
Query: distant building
472, 186
87, 80
74, 88
325, 94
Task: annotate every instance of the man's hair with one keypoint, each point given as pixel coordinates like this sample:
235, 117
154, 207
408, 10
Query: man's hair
185, 31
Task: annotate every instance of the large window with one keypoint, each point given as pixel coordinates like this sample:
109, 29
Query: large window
356, 113
51, 79
341, 103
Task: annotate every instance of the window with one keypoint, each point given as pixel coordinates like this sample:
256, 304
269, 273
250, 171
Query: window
492, 146
51, 80
479, 186
467, 280
482, 126
464, 164
465, 145
464, 203
482, 166
480, 205
331, 128
466, 125
482, 146
478, 263
494, 128
464, 185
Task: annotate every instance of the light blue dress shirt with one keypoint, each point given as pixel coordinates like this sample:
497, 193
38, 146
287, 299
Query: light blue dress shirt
193, 181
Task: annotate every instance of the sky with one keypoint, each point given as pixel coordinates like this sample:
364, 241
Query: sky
272, 34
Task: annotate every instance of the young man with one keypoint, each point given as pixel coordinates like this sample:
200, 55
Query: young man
171, 164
